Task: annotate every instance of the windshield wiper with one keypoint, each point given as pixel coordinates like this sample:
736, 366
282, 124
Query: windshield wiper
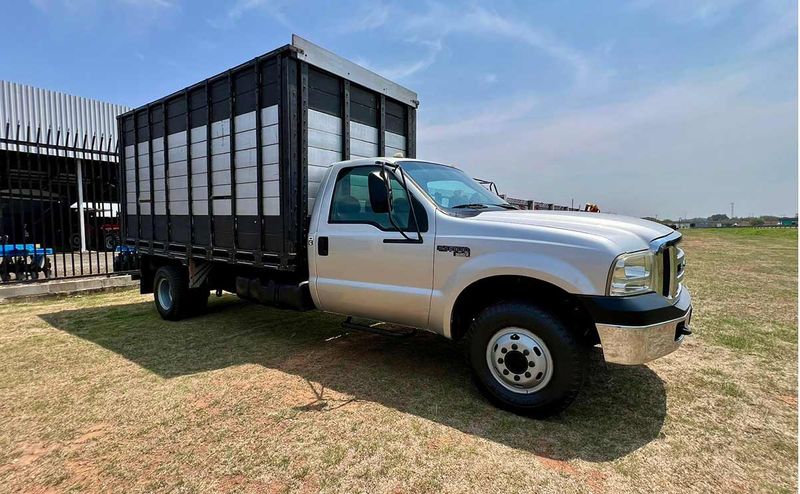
478, 205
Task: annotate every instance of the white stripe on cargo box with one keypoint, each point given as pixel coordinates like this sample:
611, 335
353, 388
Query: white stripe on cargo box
362, 148
220, 145
324, 140
220, 190
246, 206
245, 121
269, 135
272, 206
245, 140
175, 139
200, 208
199, 179
178, 194
318, 120
269, 115
198, 149
323, 157
222, 207
269, 154
176, 154
271, 189
395, 140
220, 128
198, 134
179, 208
199, 165
177, 168
246, 174
245, 158
271, 172
363, 132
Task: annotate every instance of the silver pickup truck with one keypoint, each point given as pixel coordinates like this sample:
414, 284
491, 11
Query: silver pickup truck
525, 293
245, 182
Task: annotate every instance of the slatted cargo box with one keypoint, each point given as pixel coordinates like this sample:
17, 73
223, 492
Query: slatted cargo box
228, 169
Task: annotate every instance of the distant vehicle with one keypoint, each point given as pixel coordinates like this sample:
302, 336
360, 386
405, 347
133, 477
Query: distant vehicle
401, 240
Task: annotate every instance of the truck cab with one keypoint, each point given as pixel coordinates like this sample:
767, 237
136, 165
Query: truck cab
525, 293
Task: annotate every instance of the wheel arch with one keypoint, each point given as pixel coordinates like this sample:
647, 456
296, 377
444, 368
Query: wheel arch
491, 290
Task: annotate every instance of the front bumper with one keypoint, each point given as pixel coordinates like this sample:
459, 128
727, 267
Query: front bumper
635, 330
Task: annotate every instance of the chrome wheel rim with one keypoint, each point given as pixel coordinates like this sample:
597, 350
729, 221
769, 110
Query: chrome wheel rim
519, 360
164, 294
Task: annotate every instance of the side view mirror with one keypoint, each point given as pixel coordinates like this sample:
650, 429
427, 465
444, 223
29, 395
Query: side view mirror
380, 194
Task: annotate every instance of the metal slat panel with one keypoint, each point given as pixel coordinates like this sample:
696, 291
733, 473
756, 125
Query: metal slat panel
41, 108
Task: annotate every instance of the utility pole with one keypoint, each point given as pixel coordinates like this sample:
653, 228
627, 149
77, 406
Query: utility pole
731, 210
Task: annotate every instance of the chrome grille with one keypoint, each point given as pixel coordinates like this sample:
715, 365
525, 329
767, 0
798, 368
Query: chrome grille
670, 267
673, 267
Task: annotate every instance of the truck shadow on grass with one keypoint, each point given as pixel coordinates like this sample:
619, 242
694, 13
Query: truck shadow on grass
619, 410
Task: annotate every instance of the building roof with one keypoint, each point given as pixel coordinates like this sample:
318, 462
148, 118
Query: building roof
24, 107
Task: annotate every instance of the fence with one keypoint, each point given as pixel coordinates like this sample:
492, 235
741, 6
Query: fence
59, 206
528, 204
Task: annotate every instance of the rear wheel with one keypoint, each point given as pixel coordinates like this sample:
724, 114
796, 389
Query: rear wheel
525, 359
171, 293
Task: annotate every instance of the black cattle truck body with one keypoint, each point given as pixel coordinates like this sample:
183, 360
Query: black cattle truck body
220, 177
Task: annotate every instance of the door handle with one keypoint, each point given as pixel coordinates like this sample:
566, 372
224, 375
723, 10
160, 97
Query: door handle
322, 246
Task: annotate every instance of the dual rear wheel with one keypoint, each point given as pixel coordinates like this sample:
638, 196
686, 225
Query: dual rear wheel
174, 299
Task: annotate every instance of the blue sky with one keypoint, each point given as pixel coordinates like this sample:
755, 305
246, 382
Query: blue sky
646, 107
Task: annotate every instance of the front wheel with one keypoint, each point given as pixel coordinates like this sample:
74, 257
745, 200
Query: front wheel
524, 359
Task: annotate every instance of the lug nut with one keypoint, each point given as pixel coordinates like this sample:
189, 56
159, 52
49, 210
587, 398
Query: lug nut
499, 361
505, 372
526, 352
516, 378
514, 346
528, 374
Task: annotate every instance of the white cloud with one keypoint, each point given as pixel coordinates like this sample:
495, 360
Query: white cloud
374, 15
440, 21
403, 70
706, 12
685, 147
240, 8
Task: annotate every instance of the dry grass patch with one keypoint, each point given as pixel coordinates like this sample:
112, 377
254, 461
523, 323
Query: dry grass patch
97, 393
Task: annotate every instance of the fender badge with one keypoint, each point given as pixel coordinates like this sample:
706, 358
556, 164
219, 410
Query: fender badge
457, 251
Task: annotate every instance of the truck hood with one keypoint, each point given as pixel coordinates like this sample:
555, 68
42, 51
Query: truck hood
628, 233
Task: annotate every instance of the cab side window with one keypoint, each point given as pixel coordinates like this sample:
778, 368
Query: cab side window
351, 204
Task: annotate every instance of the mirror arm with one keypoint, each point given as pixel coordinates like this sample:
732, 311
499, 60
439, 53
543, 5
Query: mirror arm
406, 238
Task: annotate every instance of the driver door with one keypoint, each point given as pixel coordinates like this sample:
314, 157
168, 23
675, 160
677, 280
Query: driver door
359, 273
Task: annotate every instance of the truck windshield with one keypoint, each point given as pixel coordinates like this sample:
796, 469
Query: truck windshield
450, 187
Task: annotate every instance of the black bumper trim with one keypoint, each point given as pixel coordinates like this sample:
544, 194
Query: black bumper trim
638, 310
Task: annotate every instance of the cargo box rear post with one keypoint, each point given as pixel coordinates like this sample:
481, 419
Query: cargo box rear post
227, 169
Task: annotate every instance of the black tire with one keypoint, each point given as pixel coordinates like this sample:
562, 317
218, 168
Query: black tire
177, 302
110, 241
567, 358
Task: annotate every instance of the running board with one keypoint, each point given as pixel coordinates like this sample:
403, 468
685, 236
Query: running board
349, 324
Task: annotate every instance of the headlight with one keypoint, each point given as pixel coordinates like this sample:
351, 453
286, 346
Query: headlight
632, 274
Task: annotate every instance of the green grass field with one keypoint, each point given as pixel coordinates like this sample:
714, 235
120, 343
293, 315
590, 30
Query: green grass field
99, 394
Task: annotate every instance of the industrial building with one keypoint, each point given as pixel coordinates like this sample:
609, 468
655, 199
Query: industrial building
59, 201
